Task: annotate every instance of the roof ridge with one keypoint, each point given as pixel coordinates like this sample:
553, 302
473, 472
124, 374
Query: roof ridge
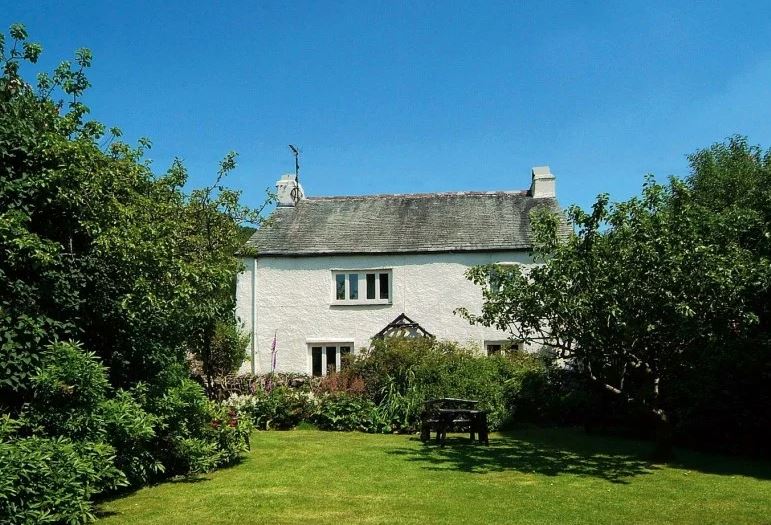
418, 195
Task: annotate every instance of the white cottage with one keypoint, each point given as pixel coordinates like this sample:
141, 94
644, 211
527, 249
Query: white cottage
333, 272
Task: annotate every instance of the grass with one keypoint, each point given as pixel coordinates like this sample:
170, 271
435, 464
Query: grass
528, 476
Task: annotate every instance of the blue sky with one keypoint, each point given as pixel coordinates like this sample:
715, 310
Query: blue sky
394, 97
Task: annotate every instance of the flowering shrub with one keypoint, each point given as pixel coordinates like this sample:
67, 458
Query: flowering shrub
198, 434
281, 408
249, 384
230, 432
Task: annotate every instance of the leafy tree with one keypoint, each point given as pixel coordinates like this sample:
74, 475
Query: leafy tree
97, 249
95, 246
224, 353
638, 292
214, 218
35, 279
725, 400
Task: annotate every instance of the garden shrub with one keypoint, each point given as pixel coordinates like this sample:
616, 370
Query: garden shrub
724, 402
283, 408
248, 384
230, 432
280, 408
401, 374
195, 434
70, 398
462, 373
218, 354
527, 390
342, 381
348, 412
385, 389
388, 364
52, 480
131, 430
68, 391
401, 401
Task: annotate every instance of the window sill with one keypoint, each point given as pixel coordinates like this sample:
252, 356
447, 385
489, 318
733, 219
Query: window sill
370, 302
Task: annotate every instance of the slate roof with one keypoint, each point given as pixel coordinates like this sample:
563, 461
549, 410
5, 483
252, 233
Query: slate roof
410, 223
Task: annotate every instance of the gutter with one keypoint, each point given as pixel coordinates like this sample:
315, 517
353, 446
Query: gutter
524, 248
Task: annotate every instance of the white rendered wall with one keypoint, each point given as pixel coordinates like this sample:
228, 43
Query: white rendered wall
294, 300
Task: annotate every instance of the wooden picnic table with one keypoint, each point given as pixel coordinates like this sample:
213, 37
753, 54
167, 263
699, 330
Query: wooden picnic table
451, 401
452, 413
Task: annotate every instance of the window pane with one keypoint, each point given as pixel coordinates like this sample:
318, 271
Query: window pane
344, 351
384, 286
353, 286
370, 286
331, 359
340, 286
493, 349
316, 359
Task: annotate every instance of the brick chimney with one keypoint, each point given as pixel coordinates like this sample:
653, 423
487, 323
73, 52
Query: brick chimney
285, 190
543, 185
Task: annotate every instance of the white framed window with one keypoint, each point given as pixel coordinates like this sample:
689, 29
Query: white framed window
326, 358
502, 347
355, 287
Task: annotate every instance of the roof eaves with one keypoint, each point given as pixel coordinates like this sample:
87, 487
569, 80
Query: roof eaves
326, 253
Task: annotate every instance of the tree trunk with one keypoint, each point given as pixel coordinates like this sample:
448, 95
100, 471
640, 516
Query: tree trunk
663, 447
206, 356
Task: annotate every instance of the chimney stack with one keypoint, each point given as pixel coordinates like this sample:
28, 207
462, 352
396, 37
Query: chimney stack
285, 190
543, 185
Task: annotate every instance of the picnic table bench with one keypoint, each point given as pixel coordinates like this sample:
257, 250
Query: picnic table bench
448, 413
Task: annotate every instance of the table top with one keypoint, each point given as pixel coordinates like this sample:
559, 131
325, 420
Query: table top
451, 400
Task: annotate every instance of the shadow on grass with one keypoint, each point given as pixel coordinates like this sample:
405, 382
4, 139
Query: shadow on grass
538, 452
722, 465
554, 451
105, 499
192, 478
577, 440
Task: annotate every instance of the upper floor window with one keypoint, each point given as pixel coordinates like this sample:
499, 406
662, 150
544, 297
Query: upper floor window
362, 286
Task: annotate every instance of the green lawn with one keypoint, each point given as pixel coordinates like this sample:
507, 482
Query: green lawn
528, 476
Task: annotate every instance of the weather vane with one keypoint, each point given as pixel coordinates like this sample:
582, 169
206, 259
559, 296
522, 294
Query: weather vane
296, 190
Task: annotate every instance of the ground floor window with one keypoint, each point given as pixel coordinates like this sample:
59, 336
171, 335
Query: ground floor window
328, 358
502, 347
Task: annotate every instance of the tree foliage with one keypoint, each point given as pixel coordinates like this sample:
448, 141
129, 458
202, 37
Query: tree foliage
643, 291
226, 350
95, 246
97, 249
